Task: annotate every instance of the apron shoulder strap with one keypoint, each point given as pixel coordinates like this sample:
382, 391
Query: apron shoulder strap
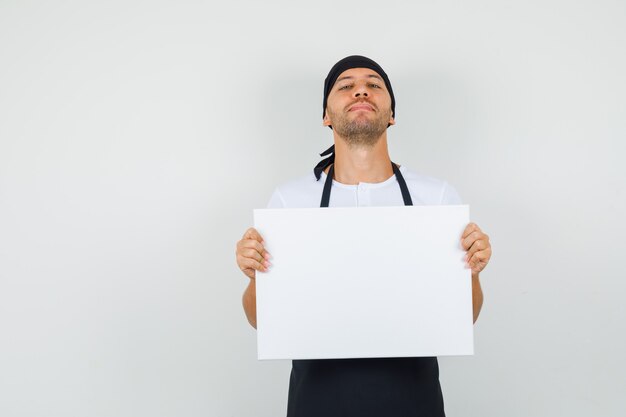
406, 195
327, 185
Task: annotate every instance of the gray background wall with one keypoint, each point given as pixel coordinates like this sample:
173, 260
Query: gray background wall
136, 137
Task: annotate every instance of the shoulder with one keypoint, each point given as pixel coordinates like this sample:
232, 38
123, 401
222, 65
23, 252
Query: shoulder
429, 190
301, 192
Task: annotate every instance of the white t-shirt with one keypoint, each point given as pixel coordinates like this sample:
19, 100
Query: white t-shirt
306, 192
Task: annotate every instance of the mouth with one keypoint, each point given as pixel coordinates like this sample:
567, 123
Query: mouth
361, 106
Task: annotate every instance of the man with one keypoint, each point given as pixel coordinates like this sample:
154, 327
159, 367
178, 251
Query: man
359, 106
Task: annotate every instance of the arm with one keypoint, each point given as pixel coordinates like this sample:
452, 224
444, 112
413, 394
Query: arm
478, 248
251, 257
249, 303
477, 296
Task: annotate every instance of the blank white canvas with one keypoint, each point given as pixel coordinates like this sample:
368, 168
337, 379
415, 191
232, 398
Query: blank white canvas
364, 282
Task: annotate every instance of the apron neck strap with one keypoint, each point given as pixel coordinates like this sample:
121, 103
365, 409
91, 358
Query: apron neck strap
406, 196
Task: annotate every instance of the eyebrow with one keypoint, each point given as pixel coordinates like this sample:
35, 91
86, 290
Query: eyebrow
347, 77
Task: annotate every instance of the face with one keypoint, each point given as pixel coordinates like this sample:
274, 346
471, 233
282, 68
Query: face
359, 106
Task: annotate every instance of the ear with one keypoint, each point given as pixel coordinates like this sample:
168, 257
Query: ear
326, 120
392, 121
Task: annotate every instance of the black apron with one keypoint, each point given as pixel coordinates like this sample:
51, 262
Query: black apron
369, 387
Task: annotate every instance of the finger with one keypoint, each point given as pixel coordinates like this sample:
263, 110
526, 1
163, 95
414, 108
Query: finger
471, 227
478, 245
252, 233
477, 267
245, 263
259, 254
253, 244
469, 240
253, 254
480, 256
480, 259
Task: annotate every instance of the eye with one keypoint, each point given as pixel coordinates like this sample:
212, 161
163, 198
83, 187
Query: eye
374, 85
344, 87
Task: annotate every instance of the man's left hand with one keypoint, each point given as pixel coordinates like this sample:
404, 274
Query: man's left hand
478, 248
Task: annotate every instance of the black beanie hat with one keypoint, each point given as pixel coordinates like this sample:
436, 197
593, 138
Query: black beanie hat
353, 61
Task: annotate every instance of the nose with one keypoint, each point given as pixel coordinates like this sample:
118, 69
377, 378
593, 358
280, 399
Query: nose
360, 91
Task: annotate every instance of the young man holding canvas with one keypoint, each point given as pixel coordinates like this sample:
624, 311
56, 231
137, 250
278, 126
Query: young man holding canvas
359, 106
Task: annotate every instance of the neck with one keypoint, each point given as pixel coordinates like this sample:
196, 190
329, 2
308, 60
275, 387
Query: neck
362, 163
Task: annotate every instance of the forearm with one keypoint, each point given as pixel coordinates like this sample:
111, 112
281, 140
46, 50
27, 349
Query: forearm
477, 296
249, 303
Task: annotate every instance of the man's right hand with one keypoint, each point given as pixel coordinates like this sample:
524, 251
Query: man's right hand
251, 255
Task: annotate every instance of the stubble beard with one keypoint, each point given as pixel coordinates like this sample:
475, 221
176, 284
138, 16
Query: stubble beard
361, 131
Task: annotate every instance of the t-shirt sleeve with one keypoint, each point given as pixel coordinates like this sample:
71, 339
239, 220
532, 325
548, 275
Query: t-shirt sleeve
450, 196
276, 200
